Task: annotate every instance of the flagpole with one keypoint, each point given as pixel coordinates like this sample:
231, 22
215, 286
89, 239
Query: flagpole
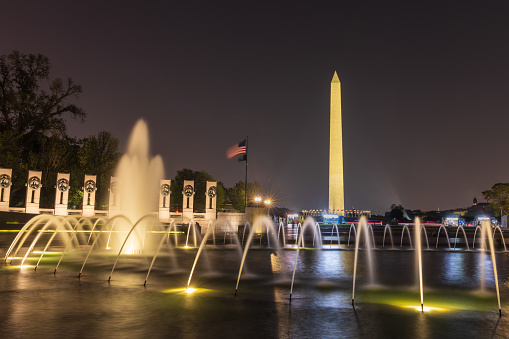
245, 183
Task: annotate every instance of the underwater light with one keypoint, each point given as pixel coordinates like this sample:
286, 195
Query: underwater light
186, 290
425, 308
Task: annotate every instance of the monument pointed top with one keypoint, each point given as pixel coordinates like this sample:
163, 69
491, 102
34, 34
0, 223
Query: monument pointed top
335, 78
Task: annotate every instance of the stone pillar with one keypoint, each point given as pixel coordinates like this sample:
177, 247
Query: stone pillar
164, 199
89, 188
114, 205
188, 201
210, 203
211, 197
5, 188
34, 185
62, 193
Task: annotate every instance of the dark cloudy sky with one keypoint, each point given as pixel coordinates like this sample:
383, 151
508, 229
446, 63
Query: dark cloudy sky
424, 89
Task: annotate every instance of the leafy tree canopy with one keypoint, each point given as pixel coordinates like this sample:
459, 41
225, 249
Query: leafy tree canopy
31, 102
33, 109
236, 194
498, 198
99, 156
397, 212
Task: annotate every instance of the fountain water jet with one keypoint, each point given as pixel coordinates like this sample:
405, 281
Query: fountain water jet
388, 227
246, 225
418, 256
335, 226
281, 228
139, 222
501, 236
362, 225
486, 233
139, 177
409, 237
110, 223
352, 226
164, 236
446, 234
260, 222
203, 244
308, 222
464, 236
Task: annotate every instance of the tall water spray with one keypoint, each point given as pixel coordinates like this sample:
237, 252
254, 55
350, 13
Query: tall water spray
418, 259
363, 227
139, 177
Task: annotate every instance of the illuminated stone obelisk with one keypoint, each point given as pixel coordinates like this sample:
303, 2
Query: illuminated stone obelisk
336, 186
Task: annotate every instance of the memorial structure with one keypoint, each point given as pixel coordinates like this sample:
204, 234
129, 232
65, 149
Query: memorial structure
89, 188
188, 201
336, 186
34, 185
210, 200
5, 188
62, 193
164, 199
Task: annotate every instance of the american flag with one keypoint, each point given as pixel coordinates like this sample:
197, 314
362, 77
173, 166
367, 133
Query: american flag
237, 149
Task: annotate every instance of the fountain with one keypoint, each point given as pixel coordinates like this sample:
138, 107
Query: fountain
139, 176
324, 275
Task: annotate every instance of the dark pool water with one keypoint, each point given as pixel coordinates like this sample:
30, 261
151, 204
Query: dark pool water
39, 304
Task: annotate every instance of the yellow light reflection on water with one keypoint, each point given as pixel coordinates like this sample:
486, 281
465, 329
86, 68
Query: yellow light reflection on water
9, 267
47, 252
426, 308
188, 290
26, 266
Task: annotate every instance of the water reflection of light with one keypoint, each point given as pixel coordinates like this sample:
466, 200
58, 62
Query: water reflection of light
454, 267
188, 290
10, 267
426, 308
47, 253
277, 265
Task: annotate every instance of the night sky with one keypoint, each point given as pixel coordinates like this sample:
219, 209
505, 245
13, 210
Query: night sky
424, 89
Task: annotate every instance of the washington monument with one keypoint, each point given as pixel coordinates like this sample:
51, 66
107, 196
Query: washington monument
336, 186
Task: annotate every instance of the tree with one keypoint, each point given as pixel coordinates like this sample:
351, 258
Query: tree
25, 106
236, 194
397, 212
33, 109
99, 156
498, 198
